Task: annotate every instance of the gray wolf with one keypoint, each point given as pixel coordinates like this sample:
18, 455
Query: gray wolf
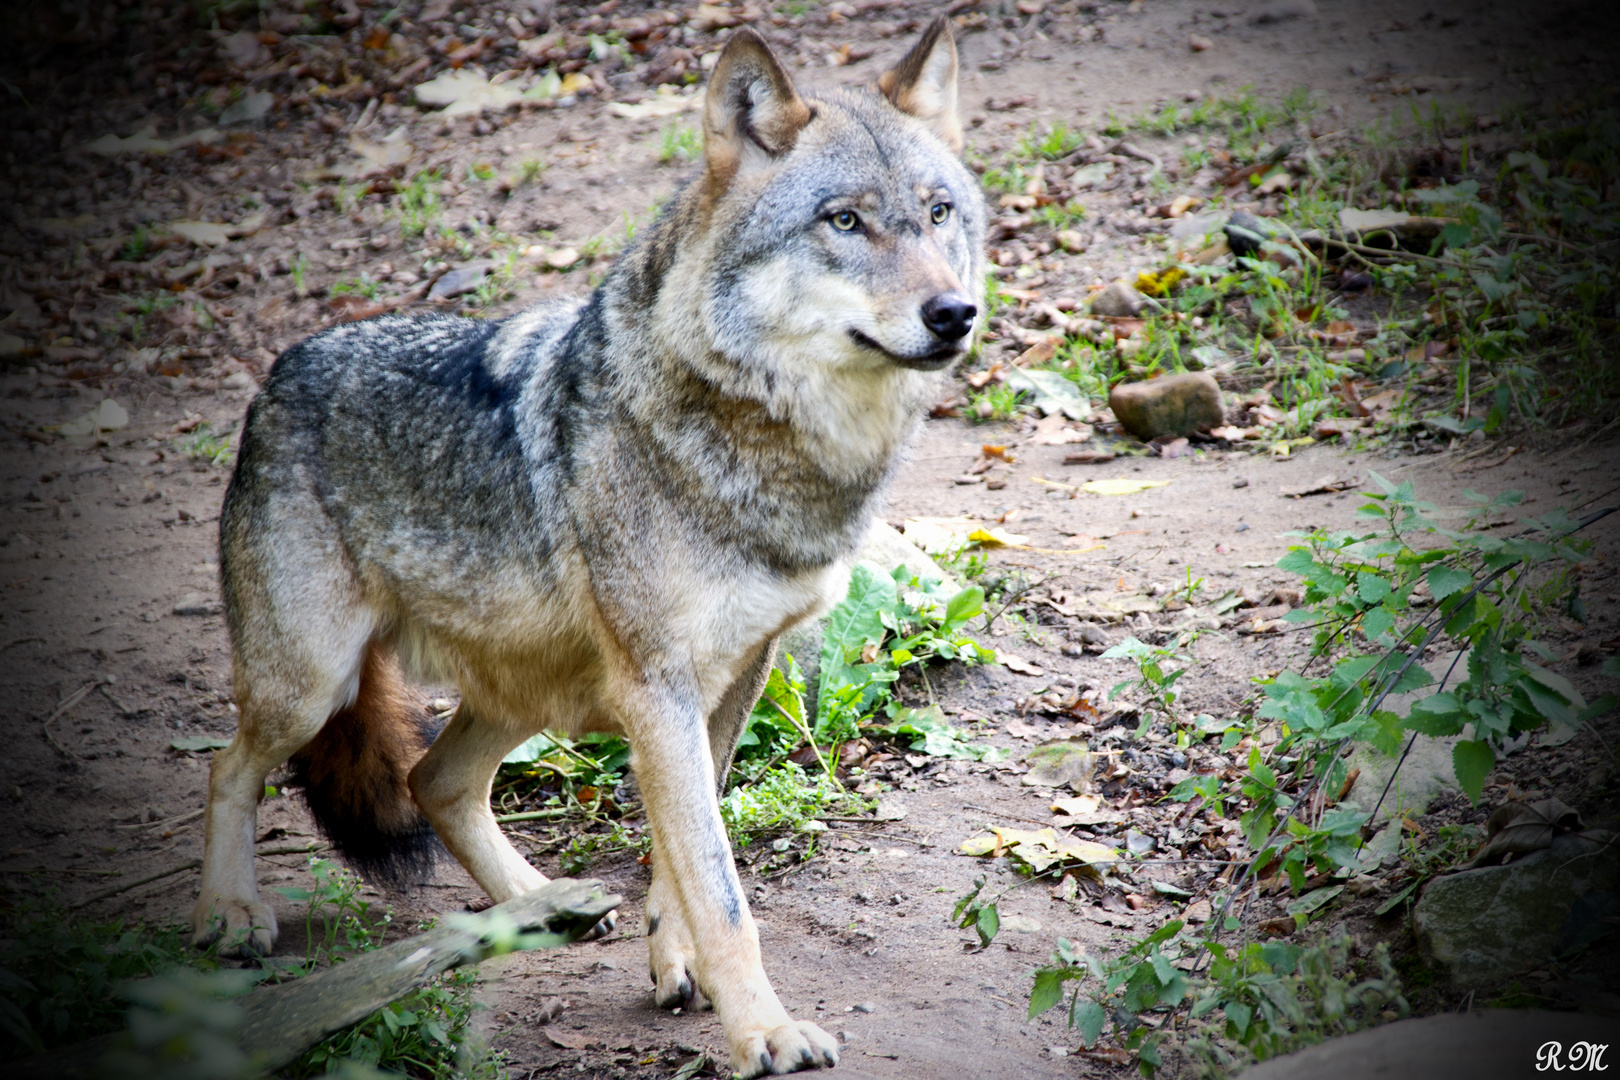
599, 515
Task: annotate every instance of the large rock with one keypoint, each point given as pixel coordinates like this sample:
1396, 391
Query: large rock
1427, 774
1490, 1044
1483, 926
1173, 405
885, 546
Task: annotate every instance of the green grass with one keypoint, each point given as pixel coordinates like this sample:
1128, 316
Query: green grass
419, 204
203, 443
678, 143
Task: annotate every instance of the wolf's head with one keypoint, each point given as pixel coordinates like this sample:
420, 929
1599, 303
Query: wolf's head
831, 233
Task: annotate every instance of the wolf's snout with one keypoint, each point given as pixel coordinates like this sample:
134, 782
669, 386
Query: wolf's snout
949, 315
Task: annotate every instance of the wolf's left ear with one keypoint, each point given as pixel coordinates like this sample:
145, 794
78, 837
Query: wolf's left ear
751, 113
924, 83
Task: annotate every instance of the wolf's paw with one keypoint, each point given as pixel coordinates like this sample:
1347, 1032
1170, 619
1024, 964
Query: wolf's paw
795, 1045
242, 927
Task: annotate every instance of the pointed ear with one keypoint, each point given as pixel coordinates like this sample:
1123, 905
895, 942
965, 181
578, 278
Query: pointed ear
751, 114
924, 83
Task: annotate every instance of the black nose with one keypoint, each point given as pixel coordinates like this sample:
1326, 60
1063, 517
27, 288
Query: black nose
949, 315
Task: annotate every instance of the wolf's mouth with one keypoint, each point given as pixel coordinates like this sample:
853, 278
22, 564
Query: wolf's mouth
929, 361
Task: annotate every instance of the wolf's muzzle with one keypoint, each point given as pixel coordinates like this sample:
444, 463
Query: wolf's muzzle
949, 316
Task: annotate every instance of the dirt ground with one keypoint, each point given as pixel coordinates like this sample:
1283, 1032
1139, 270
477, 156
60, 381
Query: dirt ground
108, 554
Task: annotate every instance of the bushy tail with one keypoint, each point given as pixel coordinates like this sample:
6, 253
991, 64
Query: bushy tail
354, 777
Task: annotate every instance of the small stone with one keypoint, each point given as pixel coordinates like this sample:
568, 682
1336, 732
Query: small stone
463, 279
1245, 233
1020, 924
1072, 241
865, 1007
1240, 482
198, 604
1138, 843
562, 258
1119, 300
1174, 405
1199, 43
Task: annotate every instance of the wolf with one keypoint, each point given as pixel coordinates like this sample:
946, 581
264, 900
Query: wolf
599, 514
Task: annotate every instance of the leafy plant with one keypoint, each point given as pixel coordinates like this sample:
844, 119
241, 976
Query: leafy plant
419, 203
203, 443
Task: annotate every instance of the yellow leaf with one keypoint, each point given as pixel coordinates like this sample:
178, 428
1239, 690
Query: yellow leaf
1081, 804
997, 538
979, 845
1121, 486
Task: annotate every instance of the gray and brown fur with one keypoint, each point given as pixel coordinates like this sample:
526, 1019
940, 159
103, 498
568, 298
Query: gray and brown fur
599, 515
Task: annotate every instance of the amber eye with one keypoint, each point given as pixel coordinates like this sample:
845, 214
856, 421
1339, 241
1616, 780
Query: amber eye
939, 212
845, 221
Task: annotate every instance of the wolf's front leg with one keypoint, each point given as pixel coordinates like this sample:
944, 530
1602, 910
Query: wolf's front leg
692, 860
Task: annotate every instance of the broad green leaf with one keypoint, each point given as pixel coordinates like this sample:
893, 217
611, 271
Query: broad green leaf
1311, 901
1439, 715
963, 606
1473, 761
1087, 1017
853, 623
1238, 1015
1048, 991
988, 922
1372, 588
1447, 581
1389, 905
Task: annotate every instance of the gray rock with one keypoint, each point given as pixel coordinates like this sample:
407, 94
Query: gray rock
1138, 843
463, 279
1486, 925
249, 107
1174, 405
1119, 300
1426, 775
1491, 1044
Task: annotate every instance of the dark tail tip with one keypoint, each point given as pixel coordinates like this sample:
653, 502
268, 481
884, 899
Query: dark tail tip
354, 778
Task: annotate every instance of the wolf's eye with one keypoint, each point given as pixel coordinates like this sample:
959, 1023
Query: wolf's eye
939, 212
845, 221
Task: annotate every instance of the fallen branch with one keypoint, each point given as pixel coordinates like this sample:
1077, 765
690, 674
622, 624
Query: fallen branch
280, 1022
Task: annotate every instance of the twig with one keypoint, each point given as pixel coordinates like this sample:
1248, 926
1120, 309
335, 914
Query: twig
62, 707
800, 727
20, 641
191, 815
532, 815
189, 864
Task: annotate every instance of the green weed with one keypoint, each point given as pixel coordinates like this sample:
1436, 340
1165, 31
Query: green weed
419, 204
362, 284
203, 443
997, 401
678, 143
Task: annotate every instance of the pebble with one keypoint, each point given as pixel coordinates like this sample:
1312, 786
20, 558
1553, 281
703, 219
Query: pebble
1119, 300
865, 1007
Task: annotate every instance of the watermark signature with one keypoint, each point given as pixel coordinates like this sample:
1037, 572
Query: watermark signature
1581, 1057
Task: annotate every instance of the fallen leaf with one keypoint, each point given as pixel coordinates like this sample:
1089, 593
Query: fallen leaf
997, 538
251, 106
1322, 485
203, 233
466, 92
1121, 486
1053, 431
196, 744
107, 416
391, 150
666, 102
1018, 664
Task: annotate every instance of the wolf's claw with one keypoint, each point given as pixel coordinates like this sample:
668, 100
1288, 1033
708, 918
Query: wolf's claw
245, 928
795, 1045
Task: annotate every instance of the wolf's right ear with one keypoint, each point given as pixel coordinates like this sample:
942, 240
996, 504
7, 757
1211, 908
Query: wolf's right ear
751, 114
924, 83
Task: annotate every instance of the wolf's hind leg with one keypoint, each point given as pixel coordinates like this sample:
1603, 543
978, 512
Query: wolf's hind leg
452, 783
281, 710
